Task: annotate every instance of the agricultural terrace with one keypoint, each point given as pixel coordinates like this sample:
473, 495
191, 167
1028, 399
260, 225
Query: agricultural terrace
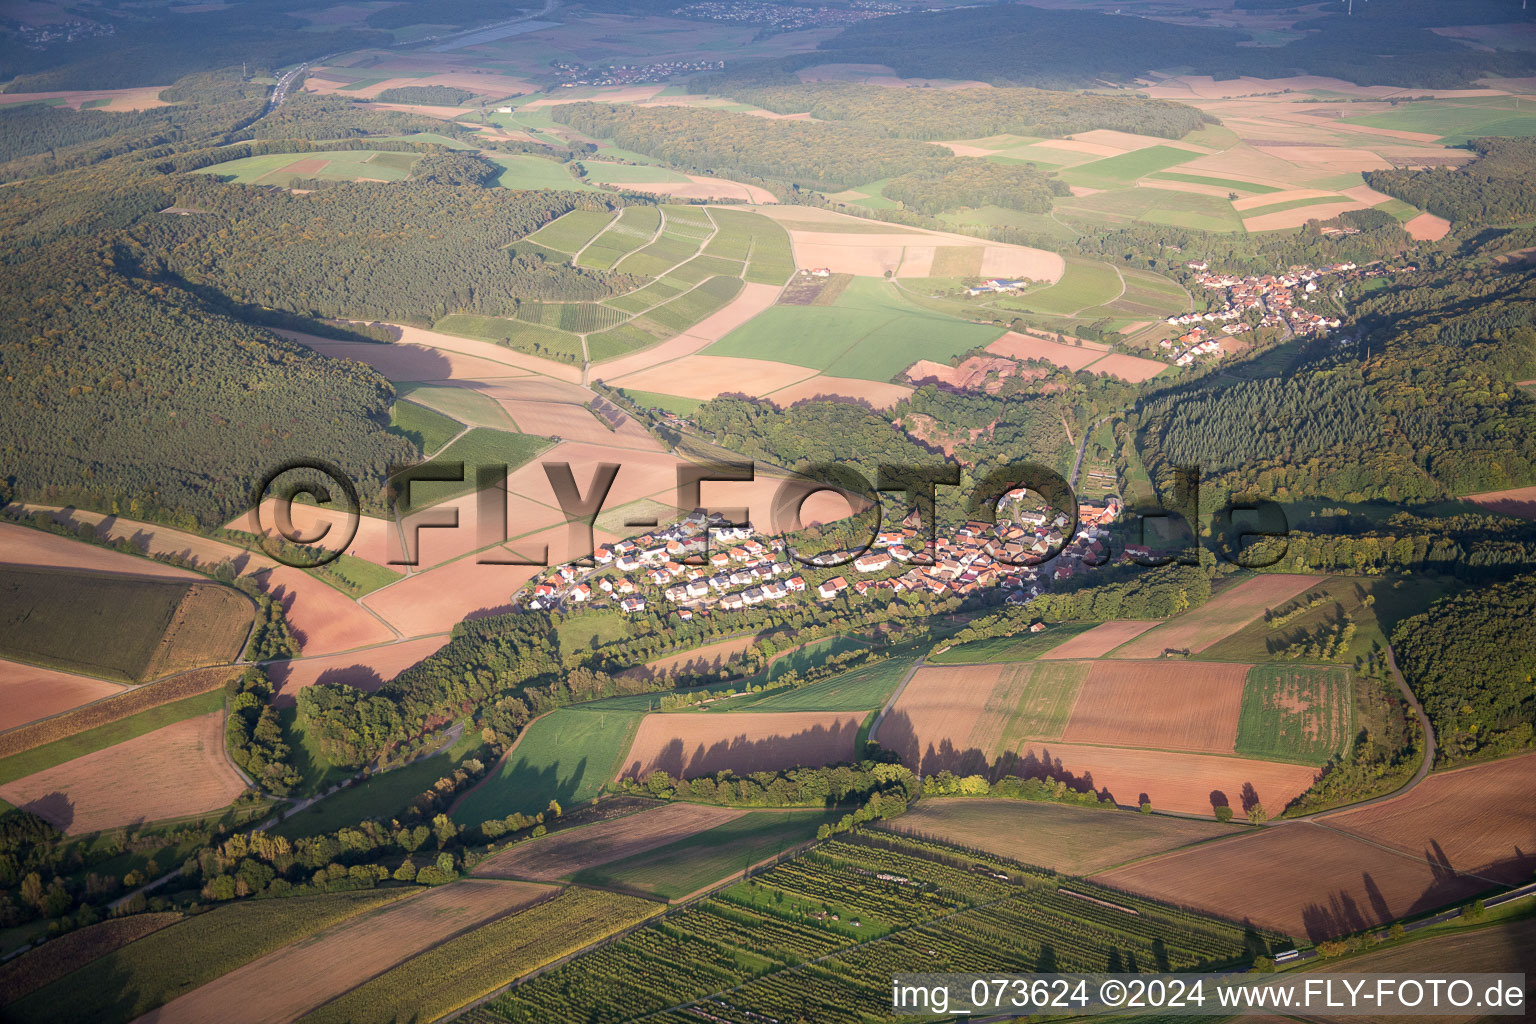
124, 628
687, 745
739, 954
1058, 837
328, 165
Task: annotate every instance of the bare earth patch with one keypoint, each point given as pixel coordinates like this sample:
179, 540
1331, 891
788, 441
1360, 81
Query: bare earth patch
689, 744
173, 772
1099, 640
1162, 704
20, 545
1426, 227
28, 693
1027, 346
877, 394
704, 377
571, 850
1127, 367
1218, 618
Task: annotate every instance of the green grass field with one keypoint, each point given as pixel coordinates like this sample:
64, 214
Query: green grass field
1294, 204
1147, 296
428, 429
1249, 187
1042, 694
481, 446
756, 239
568, 755
535, 339
626, 174
670, 249
1025, 647
1456, 121
354, 576
433, 137
570, 232
131, 981
652, 294
666, 403
872, 332
863, 689
999, 216
533, 172
634, 228
56, 753
811, 655
687, 865
1120, 171
1150, 206
341, 165
382, 796
680, 313
1085, 283
1296, 713
463, 404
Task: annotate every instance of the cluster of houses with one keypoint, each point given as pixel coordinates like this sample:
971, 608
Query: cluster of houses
742, 569
997, 286
788, 17
571, 74
1195, 343
1275, 298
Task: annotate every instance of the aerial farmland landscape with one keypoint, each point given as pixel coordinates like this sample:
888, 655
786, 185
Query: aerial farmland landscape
762, 512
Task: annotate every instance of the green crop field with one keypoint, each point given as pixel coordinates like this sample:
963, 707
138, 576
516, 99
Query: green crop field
625, 174
471, 966
433, 137
532, 172
688, 865
1249, 187
634, 228
1456, 121
1043, 693
341, 165
811, 655
680, 313
534, 339
872, 332
1086, 283
463, 404
1296, 713
428, 429
354, 576
666, 403
173, 961
114, 626
756, 239
380, 797
1025, 647
480, 446
616, 341
572, 231
1294, 204
568, 755
862, 689
703, 267
1147, 296
1120, 171
692, 221
669, 249
1150, 206
743, 954
652, 294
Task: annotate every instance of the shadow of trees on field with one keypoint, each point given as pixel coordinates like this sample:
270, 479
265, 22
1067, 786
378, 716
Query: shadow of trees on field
818, 745
56, 808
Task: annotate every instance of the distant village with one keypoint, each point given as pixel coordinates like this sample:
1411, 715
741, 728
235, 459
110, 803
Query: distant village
1265, 300
788, 17
570, 74
742, 568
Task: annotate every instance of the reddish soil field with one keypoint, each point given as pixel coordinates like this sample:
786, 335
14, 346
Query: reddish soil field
322, 618
1027, 346
284, 985
572, 850
1218, 618
971, 374
162, 540
173, 772
436, 600
1426, 227
1299, 216
1099, 640
875, 394
375, 540
641, 473
1472, 820
571, 421
1298, 878
689, 744
404, 362
705, 377
1129, 368
365, 670
309, 166
28, 693
708, 658
1519, 502
1162, 704
20, 545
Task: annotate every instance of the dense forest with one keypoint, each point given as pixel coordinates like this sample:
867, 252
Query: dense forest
975, 183
434, 95
1496, 188
1423, 406
930, 114
1471, 659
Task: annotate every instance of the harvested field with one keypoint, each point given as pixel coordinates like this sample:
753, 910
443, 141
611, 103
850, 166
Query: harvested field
1219, 618
142, 98
1020, 261
173, 772
1299, 878
704, 377
1427, 227
708, 659
690, 744
699, 186
160, 541
875, 394
1099, 640
403, 362
1298, 216
1074, 146
323, 619
1472, 820
1072, 840
1283, 196
20, 545
1128, 368
1518, 502
28, 693
285, 985
452, 343
1027, 346
1160, 704
571, 850
436, 600
365, 670
641, 473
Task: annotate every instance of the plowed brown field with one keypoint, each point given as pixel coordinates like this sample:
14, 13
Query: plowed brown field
572, 850
21, 545
1099, 640
28, 693
173, 772
285, 985
691, 744
1163, 704
1218, 618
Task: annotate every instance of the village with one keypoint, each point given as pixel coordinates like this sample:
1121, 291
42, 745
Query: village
571, 74
789, 17
703, 562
